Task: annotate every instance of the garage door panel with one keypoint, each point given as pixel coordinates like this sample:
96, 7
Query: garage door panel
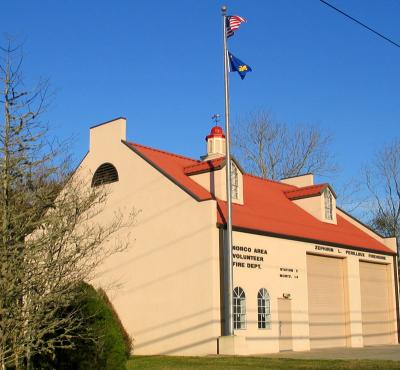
377, 314
326, 302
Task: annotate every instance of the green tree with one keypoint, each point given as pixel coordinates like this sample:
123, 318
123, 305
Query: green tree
102, 344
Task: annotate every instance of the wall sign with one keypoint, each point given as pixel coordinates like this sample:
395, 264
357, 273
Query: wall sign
247, 257
350, 252
288, 273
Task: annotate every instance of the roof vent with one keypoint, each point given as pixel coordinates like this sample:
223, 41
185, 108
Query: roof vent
105, 174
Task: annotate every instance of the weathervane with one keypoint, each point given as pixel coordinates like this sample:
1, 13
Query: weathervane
215, 118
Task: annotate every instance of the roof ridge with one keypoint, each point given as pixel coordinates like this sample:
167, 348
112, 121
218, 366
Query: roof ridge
198, 162
267, 180
204, 162
165, 152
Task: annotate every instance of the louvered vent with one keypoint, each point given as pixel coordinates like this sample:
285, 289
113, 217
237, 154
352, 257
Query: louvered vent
105, 174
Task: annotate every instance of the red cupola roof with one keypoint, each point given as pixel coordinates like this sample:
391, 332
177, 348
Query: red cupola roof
216, 131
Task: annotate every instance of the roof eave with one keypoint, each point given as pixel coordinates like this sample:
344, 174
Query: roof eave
305, 239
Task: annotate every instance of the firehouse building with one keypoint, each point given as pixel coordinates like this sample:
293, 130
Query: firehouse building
306, 274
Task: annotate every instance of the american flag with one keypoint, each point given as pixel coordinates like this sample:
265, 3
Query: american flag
232, 24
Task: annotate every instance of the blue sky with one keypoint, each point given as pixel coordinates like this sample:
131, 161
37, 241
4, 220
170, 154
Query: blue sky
159, 64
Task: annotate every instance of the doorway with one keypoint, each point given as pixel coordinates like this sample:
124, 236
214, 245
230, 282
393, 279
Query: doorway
285, 324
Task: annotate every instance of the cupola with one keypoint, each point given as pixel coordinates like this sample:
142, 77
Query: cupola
215, 144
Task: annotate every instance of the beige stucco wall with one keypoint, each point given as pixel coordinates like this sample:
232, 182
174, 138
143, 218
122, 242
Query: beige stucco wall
315, 206
165, 287
281, 254
290, 254
312, 205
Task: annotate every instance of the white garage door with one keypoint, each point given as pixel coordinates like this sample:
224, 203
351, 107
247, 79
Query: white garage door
377, 314
326, 302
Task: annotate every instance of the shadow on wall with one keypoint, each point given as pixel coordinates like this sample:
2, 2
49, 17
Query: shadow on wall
322, 322
158, 249
265, 335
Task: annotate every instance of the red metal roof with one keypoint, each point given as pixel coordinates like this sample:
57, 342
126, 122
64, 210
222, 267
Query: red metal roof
306, 191
205, 166
266, 208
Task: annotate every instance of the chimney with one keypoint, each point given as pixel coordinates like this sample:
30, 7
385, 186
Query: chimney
300, 180
106, 134
215, 144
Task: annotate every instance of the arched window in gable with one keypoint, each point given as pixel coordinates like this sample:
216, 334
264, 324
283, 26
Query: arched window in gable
105, 174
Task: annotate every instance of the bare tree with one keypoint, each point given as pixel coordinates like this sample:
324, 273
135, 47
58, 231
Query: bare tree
50, 238
383, 182
272, 150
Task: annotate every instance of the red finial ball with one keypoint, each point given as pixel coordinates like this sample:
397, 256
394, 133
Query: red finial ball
216, 131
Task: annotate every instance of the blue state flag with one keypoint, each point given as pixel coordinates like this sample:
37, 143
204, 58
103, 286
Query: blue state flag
236, 65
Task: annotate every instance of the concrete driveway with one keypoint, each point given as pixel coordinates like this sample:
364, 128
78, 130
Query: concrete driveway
391, 352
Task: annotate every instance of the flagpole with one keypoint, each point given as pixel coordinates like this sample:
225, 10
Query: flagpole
228, 265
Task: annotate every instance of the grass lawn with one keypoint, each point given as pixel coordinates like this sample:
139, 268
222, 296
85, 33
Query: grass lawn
253, 363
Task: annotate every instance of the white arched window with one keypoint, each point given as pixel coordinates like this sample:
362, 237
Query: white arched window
328, 204
239, 308
105, 174
234, 181
264, 309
